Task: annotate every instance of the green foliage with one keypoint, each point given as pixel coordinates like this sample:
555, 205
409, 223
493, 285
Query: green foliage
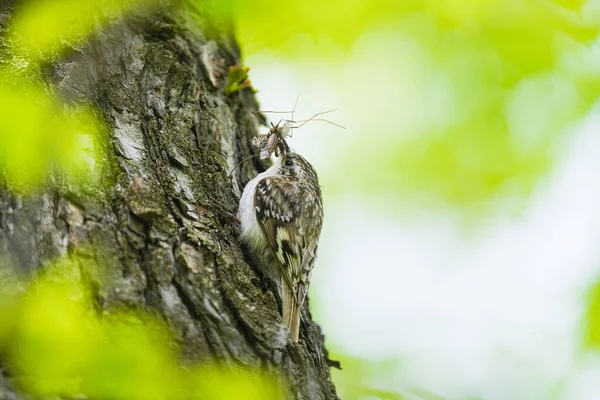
270, 24
35, 135
237, 79
486, 118
57, 344
37, 131
43, 27
477, 110
359, 379
456, 101
591, 331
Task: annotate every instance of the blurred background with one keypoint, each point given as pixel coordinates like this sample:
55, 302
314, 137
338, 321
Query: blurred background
460, 255
460, 252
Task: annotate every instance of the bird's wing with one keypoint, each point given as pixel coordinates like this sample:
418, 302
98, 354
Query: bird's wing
293, 239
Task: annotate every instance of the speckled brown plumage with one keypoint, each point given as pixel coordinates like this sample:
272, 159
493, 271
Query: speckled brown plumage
289, 210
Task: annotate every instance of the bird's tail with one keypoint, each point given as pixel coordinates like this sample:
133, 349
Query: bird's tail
290, 310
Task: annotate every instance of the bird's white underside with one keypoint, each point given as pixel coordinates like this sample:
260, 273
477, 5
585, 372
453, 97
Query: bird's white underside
250, 231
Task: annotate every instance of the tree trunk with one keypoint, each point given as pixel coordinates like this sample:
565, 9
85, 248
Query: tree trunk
162, 219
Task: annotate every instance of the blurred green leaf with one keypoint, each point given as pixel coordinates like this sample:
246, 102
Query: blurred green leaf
359, 379
344, 21
462, 104
43, 27
36, 135
591, 338
456, 101
59, 345
39, 133
209, 383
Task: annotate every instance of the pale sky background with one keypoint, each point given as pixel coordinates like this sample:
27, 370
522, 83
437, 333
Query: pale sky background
492, 311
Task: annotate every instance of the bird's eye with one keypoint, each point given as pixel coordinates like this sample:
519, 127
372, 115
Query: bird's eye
289, 163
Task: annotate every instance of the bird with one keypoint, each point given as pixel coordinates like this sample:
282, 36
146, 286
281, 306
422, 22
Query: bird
281, 216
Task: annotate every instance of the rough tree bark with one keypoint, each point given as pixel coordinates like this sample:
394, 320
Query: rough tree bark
162, 220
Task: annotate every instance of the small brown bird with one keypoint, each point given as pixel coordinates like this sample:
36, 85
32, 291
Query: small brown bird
281, 214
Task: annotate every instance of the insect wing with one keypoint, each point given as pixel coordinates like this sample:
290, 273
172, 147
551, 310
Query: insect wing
286, 130
258, 141
265, 152
268, 146
263, 142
